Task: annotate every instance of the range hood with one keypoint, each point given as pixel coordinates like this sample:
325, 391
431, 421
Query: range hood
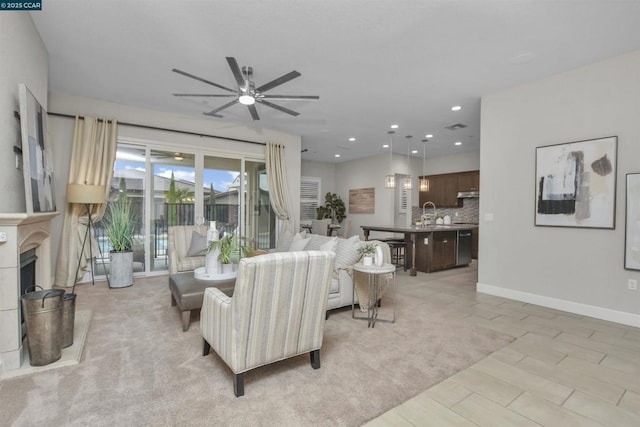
468, 194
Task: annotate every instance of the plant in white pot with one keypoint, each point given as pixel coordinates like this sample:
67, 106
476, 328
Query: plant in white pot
230, 250
119, 225
367, 250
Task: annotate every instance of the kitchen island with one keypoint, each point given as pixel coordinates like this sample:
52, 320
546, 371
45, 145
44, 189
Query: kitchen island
432, 247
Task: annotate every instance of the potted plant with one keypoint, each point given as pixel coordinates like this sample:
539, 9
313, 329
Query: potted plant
367, 250
119, 226
230, 250
333, 208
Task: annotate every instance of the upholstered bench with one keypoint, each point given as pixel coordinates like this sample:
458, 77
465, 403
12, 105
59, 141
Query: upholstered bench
187, 292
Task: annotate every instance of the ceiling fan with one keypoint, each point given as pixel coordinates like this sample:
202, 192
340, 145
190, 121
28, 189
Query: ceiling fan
246, 93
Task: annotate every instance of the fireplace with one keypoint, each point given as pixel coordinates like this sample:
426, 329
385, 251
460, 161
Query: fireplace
27, 276
26, 259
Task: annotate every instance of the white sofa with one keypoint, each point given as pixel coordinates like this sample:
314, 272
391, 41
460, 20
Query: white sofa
346, 250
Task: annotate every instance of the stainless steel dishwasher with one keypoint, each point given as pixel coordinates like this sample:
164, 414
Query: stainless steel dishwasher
464, 247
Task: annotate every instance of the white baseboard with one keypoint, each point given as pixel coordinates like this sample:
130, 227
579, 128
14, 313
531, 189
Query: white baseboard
621, 317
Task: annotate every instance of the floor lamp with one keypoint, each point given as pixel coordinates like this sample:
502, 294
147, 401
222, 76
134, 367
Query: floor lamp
87, 195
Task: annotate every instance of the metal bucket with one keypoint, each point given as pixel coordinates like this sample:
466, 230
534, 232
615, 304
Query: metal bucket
68, 319
42, 311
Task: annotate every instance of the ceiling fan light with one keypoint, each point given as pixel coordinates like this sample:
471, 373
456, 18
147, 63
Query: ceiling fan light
246, 99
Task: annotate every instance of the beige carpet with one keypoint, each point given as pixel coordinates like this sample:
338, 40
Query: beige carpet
139, 368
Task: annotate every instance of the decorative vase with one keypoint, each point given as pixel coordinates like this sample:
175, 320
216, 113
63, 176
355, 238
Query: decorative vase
227, 268
211, 263
367, 260
379, 257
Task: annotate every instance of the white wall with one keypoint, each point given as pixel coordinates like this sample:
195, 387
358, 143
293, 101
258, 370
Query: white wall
578, 270
23, 59
325, 171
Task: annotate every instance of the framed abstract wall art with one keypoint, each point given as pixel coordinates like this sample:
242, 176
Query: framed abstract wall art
632, 218
576, 184
37, 159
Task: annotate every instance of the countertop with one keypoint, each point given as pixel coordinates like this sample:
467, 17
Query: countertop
425, 229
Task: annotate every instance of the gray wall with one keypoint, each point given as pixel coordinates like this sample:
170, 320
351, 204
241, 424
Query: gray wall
23, 59
578, 270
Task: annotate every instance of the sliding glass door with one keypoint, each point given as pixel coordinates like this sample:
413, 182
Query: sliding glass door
168, 188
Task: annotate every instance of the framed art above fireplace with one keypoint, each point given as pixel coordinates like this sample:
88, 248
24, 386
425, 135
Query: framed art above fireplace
37, 159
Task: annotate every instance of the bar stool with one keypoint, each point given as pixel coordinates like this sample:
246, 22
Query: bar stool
397, 247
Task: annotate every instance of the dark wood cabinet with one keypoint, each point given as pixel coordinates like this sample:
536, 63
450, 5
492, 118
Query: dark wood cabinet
444, 188
469, 181
443, 191
444, 250
474, 243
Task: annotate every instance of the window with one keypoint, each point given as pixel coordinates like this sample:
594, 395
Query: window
309, 197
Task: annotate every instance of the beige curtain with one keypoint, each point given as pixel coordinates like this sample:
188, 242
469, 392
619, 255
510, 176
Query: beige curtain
278, 188
92, 157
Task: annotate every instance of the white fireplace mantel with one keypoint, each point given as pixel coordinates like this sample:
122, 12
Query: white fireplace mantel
23, 232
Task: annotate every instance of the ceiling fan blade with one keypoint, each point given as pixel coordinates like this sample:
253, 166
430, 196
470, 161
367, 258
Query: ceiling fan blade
290, 97
202, 94
253, 111
278, 107
184, 73
227, 105
235, 69
277, 82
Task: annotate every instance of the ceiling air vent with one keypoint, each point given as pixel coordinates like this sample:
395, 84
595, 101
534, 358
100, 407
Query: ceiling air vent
456, 126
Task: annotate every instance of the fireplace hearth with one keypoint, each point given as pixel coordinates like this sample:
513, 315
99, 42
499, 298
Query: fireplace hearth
26, 259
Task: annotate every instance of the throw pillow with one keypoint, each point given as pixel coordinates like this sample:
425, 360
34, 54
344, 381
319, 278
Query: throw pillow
347, 251
316, 241
198, 244
298, 243
330, 245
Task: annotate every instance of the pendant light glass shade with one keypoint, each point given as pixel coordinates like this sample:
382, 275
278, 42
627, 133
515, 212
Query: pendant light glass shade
390, 180
407, 183
424, 181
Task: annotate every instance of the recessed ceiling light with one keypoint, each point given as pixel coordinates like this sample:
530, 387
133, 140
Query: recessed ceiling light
457, 143
394, 126
456, 108
385, 146
428, 135
352, 139
414, 151
336, 155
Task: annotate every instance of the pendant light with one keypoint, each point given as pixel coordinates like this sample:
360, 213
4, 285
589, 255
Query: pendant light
407, 180
424, 181
390, 180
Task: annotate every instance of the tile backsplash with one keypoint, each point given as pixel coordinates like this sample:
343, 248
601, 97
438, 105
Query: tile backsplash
468, 213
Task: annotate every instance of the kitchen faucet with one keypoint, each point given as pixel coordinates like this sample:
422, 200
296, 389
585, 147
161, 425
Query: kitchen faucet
426, 216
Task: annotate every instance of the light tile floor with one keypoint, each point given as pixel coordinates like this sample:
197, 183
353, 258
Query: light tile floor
562, 369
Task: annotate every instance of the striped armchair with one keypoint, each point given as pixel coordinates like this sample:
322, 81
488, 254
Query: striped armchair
277, 311
179, 242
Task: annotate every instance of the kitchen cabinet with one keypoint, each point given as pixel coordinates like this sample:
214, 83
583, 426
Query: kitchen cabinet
443, 191
444, 188
474, 242
431, 248
444, 250
469, 181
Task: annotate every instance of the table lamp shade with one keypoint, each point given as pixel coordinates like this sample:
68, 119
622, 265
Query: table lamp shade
84, 193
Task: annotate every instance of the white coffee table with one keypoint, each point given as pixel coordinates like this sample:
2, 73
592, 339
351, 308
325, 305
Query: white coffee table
374, 272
